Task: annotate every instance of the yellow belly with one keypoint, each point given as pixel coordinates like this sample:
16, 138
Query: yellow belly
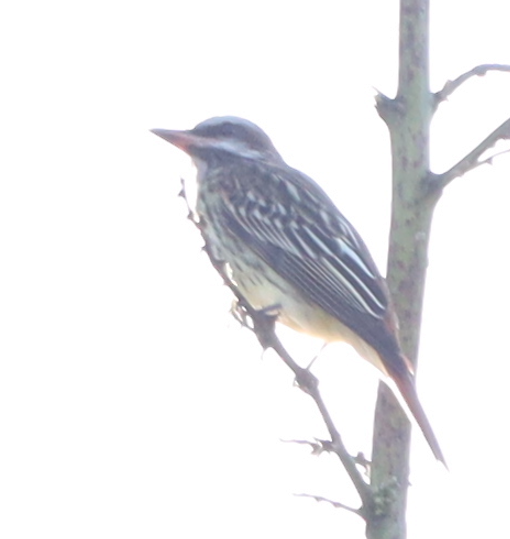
300, 314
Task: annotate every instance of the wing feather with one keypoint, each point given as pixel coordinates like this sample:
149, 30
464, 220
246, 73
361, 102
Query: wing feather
301, 235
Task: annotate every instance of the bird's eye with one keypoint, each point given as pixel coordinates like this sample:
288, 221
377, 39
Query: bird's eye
228, 130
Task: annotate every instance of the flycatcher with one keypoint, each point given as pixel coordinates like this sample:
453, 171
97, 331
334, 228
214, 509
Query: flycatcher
290, 249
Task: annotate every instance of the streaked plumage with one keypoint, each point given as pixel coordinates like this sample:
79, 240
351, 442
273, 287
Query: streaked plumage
289, 247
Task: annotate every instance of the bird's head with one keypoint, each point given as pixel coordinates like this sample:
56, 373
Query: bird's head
221, 138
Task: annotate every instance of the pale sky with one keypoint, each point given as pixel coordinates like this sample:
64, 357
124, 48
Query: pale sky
131, 404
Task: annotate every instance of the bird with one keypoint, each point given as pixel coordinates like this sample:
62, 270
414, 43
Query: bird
289, 249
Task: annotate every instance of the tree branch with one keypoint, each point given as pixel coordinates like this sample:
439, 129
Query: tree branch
452, 85
472, 159
337, 505
264, 329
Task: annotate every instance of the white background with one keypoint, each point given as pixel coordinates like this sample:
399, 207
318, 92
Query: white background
131, 405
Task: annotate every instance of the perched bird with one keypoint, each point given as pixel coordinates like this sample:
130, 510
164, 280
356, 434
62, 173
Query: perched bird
290, 249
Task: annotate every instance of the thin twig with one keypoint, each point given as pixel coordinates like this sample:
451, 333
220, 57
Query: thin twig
477, 71
472, 159
318, 446
308, 383
337, 505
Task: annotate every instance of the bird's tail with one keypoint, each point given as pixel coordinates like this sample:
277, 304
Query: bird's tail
406, 386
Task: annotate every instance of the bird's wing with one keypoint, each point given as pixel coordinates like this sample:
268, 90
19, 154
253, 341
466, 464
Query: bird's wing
287, 220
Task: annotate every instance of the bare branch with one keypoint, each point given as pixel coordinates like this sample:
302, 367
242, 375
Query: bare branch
318, 447
337, 505
478, 71
308, 383
324, 446
472, 159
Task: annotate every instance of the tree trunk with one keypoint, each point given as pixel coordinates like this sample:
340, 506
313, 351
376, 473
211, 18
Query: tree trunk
408, 119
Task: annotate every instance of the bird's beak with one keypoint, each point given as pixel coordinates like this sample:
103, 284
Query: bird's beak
182, 139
